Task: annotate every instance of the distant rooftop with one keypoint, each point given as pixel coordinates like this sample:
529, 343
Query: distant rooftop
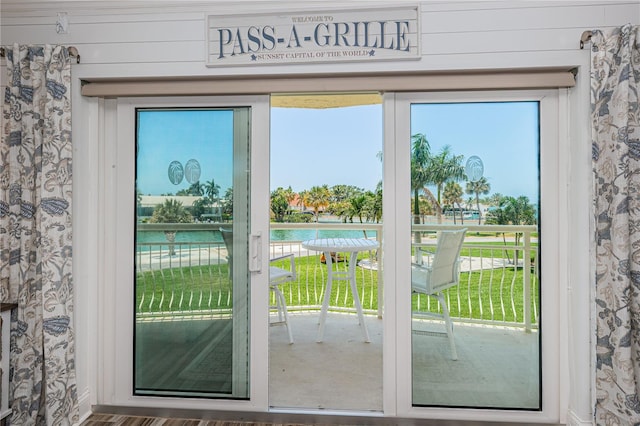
154, 200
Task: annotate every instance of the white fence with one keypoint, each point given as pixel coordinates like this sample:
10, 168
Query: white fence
499, 279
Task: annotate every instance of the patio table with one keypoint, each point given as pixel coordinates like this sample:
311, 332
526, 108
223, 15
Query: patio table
341, 245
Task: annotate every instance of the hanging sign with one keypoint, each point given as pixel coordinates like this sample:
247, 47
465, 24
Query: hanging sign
325, 36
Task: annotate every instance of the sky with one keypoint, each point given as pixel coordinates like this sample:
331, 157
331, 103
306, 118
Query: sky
503, 134
168, 136
340, 145
333, 146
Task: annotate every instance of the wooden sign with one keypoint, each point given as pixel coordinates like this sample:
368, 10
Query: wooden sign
326, 36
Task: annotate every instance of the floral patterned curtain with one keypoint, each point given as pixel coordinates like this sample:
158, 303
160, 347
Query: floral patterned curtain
35, 234
615, 74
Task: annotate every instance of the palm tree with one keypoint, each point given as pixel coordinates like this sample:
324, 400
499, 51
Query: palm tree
442, 168
341, 209
478, 187
376, 207
453, 195
290, 195
358, 206
317, 197
520, 211
171, 211
495, 199
196, 188
420, 157
302, 199
513, 211
344, 192
212, 190
469, 203
199, 207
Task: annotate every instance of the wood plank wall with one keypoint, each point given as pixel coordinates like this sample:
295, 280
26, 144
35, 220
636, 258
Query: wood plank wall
116, 40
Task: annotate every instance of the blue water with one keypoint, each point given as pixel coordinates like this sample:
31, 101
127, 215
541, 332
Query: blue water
276, 235
308, 234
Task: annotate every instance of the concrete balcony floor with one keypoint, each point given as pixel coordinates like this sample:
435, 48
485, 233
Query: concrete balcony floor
497, 367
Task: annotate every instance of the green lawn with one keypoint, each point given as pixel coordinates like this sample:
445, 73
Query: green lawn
206, 288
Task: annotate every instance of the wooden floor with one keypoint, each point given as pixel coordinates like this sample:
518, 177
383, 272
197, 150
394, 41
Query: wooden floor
112, 420
116, 420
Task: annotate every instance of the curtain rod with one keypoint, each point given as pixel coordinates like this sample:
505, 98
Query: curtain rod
585, 38
73, 51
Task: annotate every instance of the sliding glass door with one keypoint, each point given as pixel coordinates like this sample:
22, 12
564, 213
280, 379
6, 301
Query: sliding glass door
477, 176
191, 250
187, 195
190, 286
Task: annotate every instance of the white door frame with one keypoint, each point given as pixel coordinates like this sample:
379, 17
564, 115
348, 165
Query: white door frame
553, 183
116, 263
116, 206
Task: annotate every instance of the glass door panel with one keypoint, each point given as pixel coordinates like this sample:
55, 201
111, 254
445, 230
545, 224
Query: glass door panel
475, 337
191, 252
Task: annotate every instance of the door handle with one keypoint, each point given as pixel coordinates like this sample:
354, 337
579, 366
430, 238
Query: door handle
255, 253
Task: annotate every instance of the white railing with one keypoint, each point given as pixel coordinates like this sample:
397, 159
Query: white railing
494, 288
509, 295
312, 285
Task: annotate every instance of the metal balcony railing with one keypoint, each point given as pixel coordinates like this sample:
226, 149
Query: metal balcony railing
499, 273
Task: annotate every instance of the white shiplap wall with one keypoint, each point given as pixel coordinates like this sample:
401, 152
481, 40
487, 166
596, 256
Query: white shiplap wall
138, 39
167, 38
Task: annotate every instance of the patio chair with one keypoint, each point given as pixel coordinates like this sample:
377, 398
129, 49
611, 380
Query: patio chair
440, 272
277, 277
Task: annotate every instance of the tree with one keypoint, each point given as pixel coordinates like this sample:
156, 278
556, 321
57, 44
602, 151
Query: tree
453, 195
227, 203
442, 168
367, 205
196, 188
476, 188
317, 198
495, 199
513, 211
138, 202
199, 207
375, 205
340, 200
341, 193
358, 206
426, 208
279, 204
428, 169
520, 211
171, 211
212, 190
290, 195
420, 158
302, 197
469, 203
341, 209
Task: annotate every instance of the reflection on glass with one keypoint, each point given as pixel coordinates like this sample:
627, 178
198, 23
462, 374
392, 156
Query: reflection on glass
475, 167
191, 323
